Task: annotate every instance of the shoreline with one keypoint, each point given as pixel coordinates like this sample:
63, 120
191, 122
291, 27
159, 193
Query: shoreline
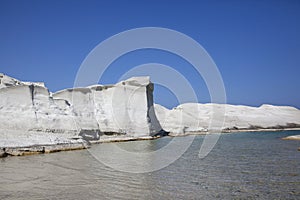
71, 146
234, 131
263, 129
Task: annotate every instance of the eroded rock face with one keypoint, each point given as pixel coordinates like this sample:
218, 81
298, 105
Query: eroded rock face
196, 117
123, 108
126, 107
30, 107
7, 81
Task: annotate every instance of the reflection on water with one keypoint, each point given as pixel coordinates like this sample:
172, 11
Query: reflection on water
142, 157
242, 165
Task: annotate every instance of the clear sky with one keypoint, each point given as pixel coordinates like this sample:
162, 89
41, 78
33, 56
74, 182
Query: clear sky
255, 44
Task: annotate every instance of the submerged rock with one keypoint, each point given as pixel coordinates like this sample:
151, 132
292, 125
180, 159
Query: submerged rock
292, 137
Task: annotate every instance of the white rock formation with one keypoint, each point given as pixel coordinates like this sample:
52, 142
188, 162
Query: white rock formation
30, 107
6, 81
196, 117
124, 108
30, 114
292, 137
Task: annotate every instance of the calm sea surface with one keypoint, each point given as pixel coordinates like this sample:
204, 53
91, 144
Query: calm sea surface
241, 166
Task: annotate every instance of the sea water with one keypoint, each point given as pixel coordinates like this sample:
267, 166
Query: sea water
257, 165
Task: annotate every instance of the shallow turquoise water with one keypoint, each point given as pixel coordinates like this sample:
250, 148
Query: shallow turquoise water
241, 166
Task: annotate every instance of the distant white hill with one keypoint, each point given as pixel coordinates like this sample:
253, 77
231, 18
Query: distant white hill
195, 117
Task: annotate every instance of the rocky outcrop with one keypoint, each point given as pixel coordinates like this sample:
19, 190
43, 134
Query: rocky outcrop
32, 117
125, 108
195, 117
292, 137
7, 81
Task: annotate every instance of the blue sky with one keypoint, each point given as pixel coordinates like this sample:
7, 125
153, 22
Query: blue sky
255, 44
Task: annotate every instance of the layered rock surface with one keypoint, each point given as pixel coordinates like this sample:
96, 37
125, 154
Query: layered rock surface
31, 115
195, 117
29, 108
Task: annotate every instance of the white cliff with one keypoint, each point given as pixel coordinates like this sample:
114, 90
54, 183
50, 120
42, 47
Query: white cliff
7, 81
32, 116
113, 109
195, 117
28, 111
